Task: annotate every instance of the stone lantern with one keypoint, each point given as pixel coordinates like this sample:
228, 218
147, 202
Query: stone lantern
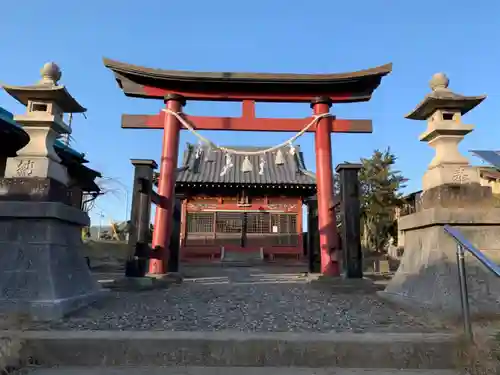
450, 180
46, 103
452, 195
43, 272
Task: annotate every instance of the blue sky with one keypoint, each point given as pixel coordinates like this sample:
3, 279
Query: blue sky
457, 37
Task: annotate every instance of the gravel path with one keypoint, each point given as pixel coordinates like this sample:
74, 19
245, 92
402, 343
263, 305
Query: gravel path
244, 299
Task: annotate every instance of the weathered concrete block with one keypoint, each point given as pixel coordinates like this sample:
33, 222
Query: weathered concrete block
428, 277
42, 268
235, 348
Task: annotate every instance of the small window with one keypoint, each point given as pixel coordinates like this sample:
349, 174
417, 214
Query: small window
257, 223
200, 222
229, 222
284, 229
39, 107
447, 116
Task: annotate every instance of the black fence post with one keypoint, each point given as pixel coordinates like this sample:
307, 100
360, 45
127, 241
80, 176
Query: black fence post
138, 241
175, 238
351, 219
313, 235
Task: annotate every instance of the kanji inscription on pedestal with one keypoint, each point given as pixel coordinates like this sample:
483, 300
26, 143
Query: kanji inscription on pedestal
25, 168
460, 176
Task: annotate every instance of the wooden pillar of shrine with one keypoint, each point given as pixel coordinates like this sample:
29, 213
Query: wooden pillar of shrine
351, 214
328, 241
166, 185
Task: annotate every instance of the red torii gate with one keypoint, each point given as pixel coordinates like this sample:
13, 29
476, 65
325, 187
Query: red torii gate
176, 87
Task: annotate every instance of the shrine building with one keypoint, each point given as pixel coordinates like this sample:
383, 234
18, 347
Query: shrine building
244, 207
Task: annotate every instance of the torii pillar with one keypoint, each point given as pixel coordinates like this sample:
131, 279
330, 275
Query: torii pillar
166, 186
328, 239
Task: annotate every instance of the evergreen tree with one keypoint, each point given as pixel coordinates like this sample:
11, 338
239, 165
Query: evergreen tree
380, 187
380, 194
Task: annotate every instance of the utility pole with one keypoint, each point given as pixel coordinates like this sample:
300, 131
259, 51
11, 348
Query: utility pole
66, 136
101, 215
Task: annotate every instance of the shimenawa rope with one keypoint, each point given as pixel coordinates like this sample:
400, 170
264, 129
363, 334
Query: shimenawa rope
190, 127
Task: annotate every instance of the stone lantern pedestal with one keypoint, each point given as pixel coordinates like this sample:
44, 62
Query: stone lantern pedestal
452, 195
427, 276
43, 272
42, 269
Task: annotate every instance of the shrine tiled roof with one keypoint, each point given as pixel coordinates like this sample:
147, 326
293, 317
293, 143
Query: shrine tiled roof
205, 166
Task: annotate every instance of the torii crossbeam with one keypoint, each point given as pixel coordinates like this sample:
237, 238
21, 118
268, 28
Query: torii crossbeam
177, 87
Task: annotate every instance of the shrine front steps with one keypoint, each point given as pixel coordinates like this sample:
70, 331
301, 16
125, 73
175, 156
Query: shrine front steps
437, 351
248, 256
149, 370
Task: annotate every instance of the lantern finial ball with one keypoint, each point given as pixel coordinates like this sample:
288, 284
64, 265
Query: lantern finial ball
439, 81
50, 72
